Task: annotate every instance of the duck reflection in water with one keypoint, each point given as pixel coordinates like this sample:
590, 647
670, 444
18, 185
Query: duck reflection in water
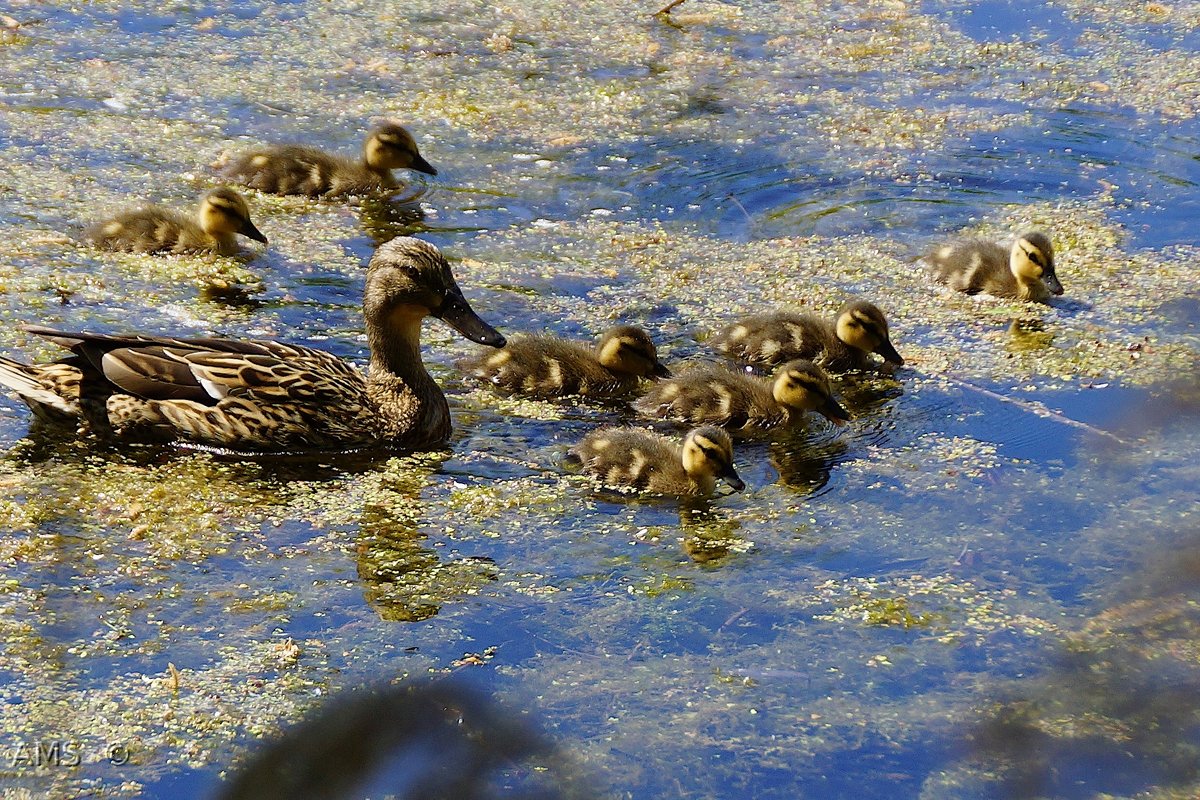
386, 218
404, 578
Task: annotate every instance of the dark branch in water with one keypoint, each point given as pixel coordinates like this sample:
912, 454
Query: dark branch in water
1033, 408
737, 202
669, 7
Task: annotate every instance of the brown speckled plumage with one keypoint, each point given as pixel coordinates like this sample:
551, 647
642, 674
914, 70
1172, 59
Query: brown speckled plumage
221, 215
262, 395
716, 395
1023, 269
637, 460
296, 169
540, 365
844, 344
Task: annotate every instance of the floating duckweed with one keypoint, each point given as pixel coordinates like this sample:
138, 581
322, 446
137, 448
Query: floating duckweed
951, 609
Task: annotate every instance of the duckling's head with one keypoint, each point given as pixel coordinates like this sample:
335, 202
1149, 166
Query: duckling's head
708, 455
802, 385
390, 146
861, 324
628, 349
408, 280
1032, 261
223, 212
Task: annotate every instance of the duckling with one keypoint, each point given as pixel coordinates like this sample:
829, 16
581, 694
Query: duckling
295, 169
719, 396
261, 395
777, 337
153, 229
1024, 269
539, 365
636, 460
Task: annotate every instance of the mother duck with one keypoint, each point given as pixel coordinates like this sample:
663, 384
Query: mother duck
261, 395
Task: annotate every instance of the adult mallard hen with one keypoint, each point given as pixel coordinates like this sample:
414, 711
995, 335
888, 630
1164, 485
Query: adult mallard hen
222, 214
846, 343
296, 169
266, 396
541, 365
1023, 269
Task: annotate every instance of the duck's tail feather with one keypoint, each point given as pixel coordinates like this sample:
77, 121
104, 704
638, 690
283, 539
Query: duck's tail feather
24, 380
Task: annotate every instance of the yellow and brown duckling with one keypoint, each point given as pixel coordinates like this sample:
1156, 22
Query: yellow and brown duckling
1023, 269
716, 395
540, 365
261, 395
222, 215
296, 169
637, 460
778, 337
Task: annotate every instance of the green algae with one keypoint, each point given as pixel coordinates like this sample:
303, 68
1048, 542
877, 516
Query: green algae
638, 623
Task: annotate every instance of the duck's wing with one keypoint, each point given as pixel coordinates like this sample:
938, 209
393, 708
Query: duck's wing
205, 370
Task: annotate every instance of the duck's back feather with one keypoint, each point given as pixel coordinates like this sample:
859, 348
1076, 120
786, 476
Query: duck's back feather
295, 169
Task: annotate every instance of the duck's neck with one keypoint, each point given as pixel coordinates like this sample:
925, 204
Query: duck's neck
1032, 289
840, 355
225, 243
383, 174
409, 400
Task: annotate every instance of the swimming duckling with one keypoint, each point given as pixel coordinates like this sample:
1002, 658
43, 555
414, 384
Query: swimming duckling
777, 337
261, 395
222, 214
632, 459
1024, 269
719, 396
539, 365
295, 169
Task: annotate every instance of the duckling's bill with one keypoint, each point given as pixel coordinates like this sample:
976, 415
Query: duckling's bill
730, 476
889, 353
249, 230
421, 165
833, 411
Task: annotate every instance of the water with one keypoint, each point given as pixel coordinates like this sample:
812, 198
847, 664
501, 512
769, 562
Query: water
670, 175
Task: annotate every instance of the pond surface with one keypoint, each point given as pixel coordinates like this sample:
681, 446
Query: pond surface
837, 630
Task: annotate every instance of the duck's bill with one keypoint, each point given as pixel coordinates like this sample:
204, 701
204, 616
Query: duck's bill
730, 476
833, 411
421, 165
458, 315
248, 230
660, 371
888, 351
1052, 283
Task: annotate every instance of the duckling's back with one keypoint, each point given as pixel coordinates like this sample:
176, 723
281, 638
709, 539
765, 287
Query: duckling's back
539, 365
630, 459
715, 396
149, 229
295, 169
973, 266
773, 339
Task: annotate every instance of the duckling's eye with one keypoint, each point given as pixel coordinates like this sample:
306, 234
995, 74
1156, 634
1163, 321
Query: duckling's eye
712, 454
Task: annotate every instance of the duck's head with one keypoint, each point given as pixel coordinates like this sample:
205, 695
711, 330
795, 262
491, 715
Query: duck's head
223, 211
1032, 261
409, 279
628, 349
390, 146
708, 455
802, 385
861, 324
